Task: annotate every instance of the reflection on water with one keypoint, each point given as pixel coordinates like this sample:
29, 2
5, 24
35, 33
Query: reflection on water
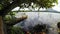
34, 18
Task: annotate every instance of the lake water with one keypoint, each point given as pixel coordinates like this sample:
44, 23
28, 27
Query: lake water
35, 18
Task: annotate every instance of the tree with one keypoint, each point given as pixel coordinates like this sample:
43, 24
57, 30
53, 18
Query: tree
7, 5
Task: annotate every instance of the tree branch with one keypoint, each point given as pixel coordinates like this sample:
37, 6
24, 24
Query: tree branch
16, 21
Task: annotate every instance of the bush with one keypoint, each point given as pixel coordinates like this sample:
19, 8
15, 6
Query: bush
16, 30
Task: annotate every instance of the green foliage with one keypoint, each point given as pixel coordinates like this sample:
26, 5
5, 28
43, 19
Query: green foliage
39, 28
1, 7
4, 3
46, 3
12, 13
16, 30
58, 24
39, 3
7, 17
10, 18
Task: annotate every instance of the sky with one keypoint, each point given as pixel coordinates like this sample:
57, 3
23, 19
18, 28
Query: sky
56, 7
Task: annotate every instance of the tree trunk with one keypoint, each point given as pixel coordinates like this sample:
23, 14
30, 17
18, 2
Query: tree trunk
1, 25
